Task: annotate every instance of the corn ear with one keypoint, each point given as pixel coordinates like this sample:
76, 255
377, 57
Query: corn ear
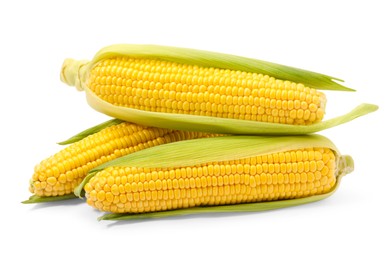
92, 130
76, 73
201, 58
228, 148
55, 177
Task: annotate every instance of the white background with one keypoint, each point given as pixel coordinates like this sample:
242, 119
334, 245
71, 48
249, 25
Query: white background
346, 39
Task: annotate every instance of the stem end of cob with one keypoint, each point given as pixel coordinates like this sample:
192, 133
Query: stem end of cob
72, 72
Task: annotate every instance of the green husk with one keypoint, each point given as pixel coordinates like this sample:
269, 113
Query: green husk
219, 125
79, 190
90, 131
38, 199
214, 149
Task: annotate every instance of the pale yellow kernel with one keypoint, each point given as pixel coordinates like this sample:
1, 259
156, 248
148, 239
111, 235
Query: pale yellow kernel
325, 171
240, 168
293, 114
280, 178
69, 177
319, 165
313, 107
88, 187
252, 181
253, 170
136, 197
55, 172
115, 189
101, 195
306, 165
122, 198
325, 158
304, 177
306, 114
271, 168
51, 181
327, 187
300, 113
317, 156
110, 180
109, 197
265, 166
317, 175
291, 177
324, 180
303, 105
320, 113
269, 179
297, 177
310, 177
313, 166
297, 104
290, 95
62, 178
92, 195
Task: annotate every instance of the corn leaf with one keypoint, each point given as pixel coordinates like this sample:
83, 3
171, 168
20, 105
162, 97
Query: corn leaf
79, 190
90, 131
219, 125
38, 199
223, 61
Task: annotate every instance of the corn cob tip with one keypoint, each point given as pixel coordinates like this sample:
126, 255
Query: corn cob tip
72, 72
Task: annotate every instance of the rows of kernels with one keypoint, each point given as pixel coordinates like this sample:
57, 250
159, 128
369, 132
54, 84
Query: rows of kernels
62, 172
170, 87
283, 175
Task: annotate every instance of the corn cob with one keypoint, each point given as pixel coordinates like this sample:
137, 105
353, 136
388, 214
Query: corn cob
198, 90
235, 170
59, 174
